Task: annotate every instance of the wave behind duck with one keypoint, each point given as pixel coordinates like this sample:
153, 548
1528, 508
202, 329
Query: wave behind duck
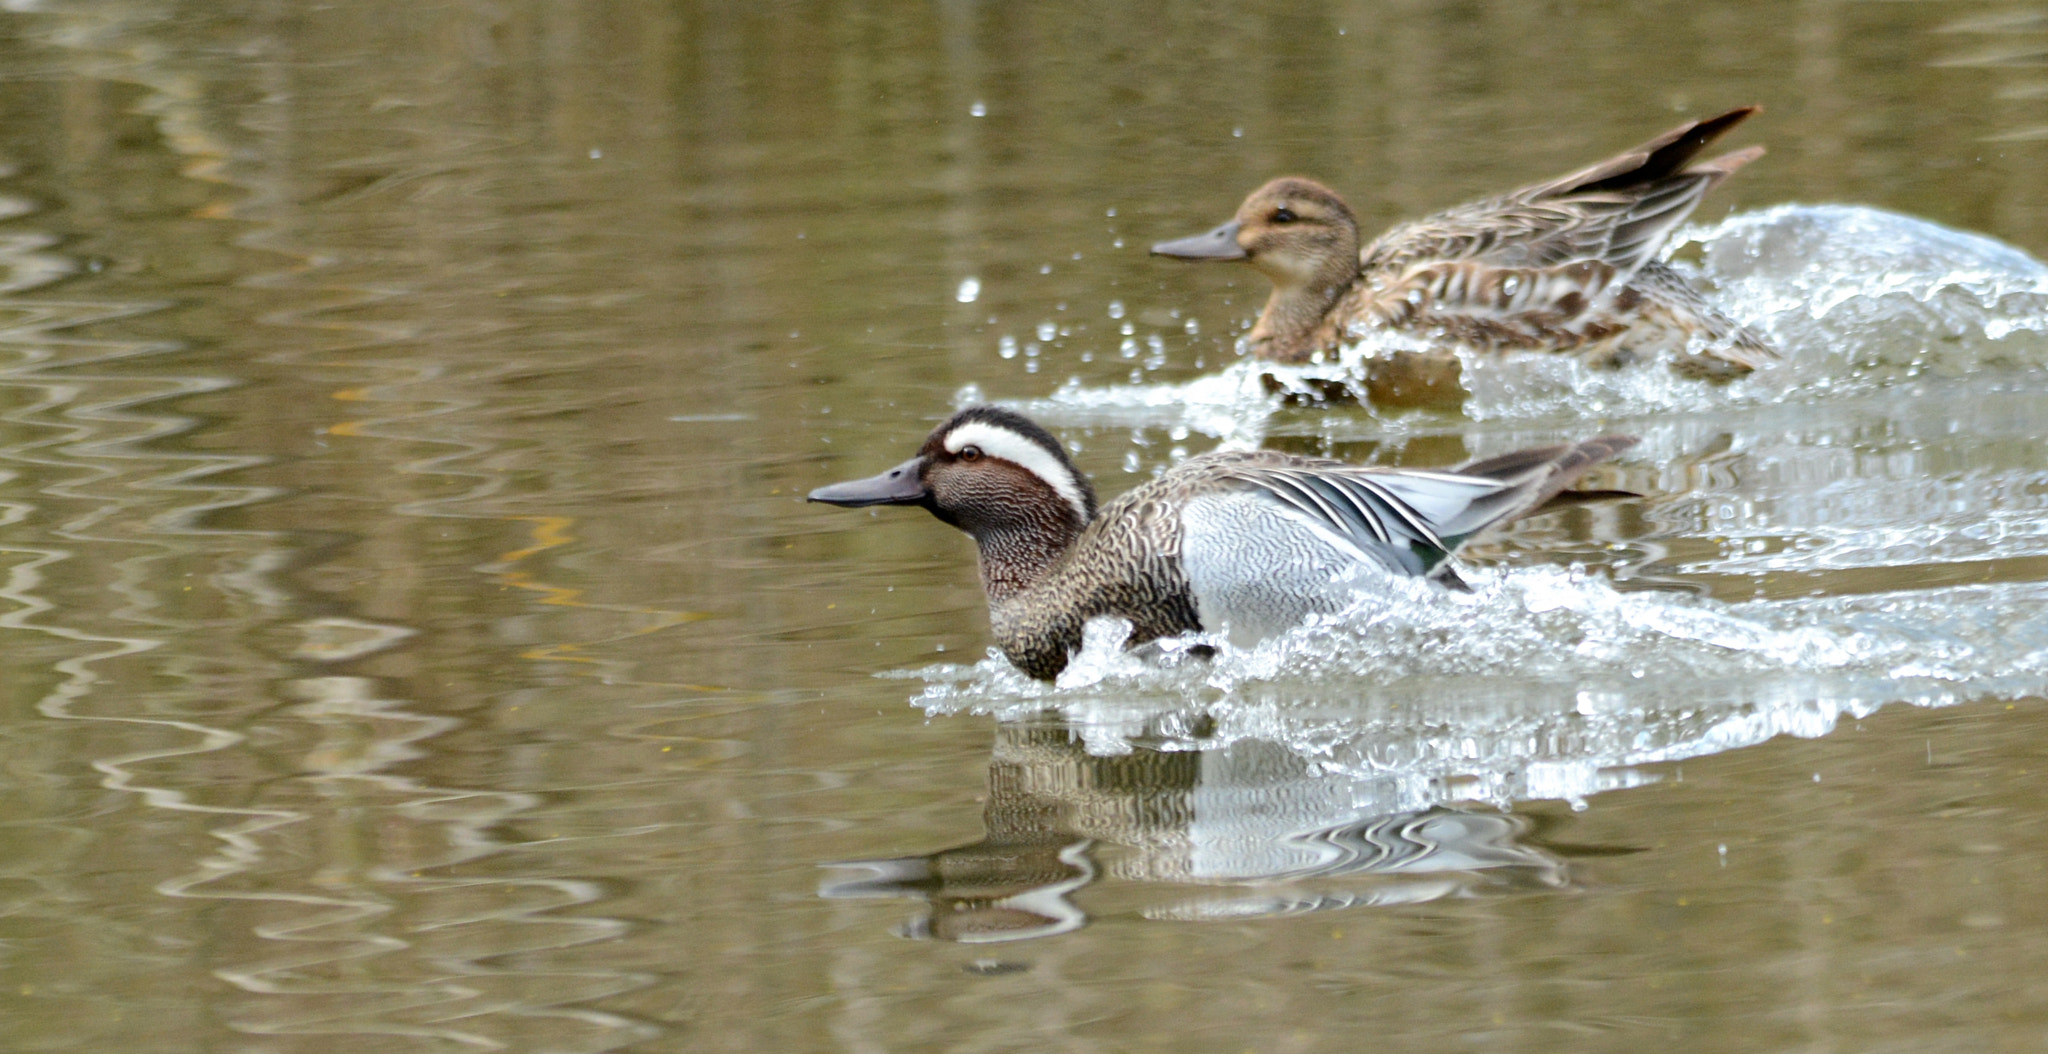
1859, 299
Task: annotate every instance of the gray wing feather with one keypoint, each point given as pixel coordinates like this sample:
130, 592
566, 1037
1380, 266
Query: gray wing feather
1323, 501
1453, 506
1406, 512
1267, 538
1409, 515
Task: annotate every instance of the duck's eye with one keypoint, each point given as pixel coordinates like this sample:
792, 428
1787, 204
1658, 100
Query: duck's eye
1283, 214
970, 453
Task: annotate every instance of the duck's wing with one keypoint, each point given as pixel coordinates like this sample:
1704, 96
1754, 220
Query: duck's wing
1415, 519
1264, 541
1596, 226
1363, 511
1661, 158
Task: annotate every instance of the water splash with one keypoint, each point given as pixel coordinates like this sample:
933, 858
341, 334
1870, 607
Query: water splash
1542, 683
1858, 299
1551, 683
1854, 288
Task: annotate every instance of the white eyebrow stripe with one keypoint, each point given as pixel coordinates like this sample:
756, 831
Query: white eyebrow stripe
997, 441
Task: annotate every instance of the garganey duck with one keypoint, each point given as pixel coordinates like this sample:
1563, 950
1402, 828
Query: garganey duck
1243, 543
1566, 265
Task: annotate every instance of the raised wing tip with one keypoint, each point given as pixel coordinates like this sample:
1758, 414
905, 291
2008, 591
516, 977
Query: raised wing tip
1658, 159
1713, 126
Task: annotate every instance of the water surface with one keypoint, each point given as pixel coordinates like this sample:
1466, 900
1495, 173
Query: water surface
412, 638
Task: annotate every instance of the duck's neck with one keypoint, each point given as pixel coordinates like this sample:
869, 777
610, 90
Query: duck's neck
1035, 623
1015, 558
1288, 329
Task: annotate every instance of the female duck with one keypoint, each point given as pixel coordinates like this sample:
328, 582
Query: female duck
1244, 543
1567, 265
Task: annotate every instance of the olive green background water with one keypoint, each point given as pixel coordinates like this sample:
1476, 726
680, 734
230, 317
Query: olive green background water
411, 639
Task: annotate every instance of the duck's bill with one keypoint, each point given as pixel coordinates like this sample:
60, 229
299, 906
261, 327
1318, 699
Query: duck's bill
902, 485
1219, 244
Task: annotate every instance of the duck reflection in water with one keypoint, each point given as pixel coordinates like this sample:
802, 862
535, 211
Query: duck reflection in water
1254, 821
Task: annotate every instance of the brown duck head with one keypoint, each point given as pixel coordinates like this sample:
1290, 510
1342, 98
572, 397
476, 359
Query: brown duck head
1302, 237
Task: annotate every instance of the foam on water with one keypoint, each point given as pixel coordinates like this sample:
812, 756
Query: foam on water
1857, 298
1542, 683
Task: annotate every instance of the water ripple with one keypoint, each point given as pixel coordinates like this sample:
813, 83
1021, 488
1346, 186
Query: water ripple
347, 898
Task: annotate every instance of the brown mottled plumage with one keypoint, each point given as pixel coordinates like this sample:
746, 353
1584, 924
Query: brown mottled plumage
1278, 528
1565, 265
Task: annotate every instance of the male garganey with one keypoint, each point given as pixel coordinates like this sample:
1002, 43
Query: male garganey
1245, 543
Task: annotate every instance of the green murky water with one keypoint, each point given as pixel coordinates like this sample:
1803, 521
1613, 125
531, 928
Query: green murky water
411, 639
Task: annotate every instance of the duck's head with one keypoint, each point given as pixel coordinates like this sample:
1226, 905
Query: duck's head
991, 472
1296, 231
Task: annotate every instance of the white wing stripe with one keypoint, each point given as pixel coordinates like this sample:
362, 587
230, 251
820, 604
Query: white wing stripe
997, 441
1406, 513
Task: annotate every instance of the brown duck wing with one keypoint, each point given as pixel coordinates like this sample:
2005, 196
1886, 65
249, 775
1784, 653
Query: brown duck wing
1624, 220
1656, 160
1617, 212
